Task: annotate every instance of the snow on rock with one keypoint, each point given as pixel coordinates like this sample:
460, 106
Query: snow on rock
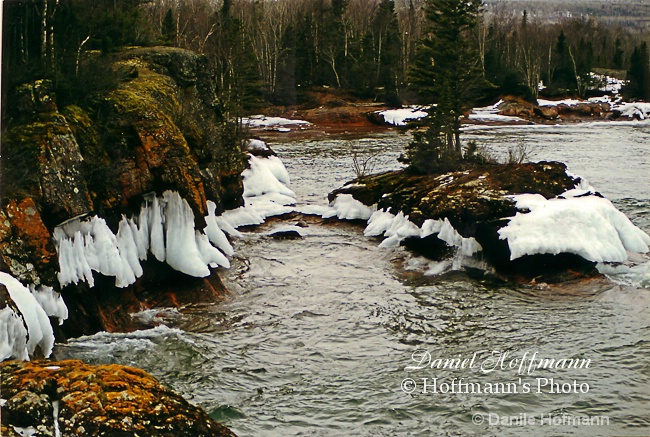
266, 175
400, 228
567, 102
400, 117
254, 144
262, 121
588, 226
164, 227
347, 207
15, 341
640, 111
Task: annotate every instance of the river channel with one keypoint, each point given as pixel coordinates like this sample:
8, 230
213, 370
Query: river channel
317, 333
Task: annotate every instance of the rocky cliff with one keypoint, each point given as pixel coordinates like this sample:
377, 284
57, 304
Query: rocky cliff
158, 128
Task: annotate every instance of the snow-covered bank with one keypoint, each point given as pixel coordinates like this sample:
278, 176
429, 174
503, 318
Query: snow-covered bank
400, 117
165, 229
633, 110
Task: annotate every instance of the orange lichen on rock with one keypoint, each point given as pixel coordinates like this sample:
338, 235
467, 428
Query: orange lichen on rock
26, 248
97, 400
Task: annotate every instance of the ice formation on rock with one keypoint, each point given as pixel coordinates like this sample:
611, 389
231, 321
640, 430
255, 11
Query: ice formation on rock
21, 336
164, 227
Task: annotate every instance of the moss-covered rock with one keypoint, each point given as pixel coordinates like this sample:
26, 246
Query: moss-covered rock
103, 400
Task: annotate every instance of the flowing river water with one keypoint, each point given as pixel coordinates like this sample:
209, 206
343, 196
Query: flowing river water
317, 332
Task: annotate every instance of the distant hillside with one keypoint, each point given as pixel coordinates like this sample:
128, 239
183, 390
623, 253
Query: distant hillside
633, 14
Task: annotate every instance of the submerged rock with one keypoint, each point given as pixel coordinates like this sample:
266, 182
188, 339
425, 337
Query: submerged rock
79, 399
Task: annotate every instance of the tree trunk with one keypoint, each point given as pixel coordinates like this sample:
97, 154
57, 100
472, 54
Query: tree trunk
76, 67
44, 34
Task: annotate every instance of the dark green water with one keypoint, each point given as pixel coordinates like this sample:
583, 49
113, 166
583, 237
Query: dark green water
317, 333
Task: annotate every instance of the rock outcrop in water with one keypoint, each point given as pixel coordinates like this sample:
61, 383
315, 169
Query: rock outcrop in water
475, 203
159, 128
73, 398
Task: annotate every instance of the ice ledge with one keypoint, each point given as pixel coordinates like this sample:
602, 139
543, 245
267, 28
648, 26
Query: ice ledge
164, 228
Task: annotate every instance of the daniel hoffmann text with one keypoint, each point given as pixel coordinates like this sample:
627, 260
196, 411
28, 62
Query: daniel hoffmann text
495, 361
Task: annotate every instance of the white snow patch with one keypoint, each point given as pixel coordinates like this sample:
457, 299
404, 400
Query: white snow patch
348, 208
266, 194
254, 144
640, 111
400, 117
589, 226
321, 210
13, 336
608, 83
400, 228
266, 175
25, 432
266, 122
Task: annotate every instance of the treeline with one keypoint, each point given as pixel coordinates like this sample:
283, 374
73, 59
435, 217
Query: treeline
269, 51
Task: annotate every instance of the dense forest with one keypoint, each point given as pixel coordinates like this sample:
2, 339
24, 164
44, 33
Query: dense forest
268, 52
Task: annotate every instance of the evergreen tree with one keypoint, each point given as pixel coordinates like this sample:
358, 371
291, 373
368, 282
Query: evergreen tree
446, 73
639, 73
617, 61
387, 42
168, 29
563, 74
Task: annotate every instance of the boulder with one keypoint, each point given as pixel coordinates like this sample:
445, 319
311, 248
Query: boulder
549, 113
516, 107
96, 400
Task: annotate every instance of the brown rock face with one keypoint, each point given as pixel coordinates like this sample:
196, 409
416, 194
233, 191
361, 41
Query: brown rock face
105, 400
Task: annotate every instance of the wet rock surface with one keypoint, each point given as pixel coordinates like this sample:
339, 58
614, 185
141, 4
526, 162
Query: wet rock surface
104, 400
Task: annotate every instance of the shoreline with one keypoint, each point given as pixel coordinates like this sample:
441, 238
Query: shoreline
355, 121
